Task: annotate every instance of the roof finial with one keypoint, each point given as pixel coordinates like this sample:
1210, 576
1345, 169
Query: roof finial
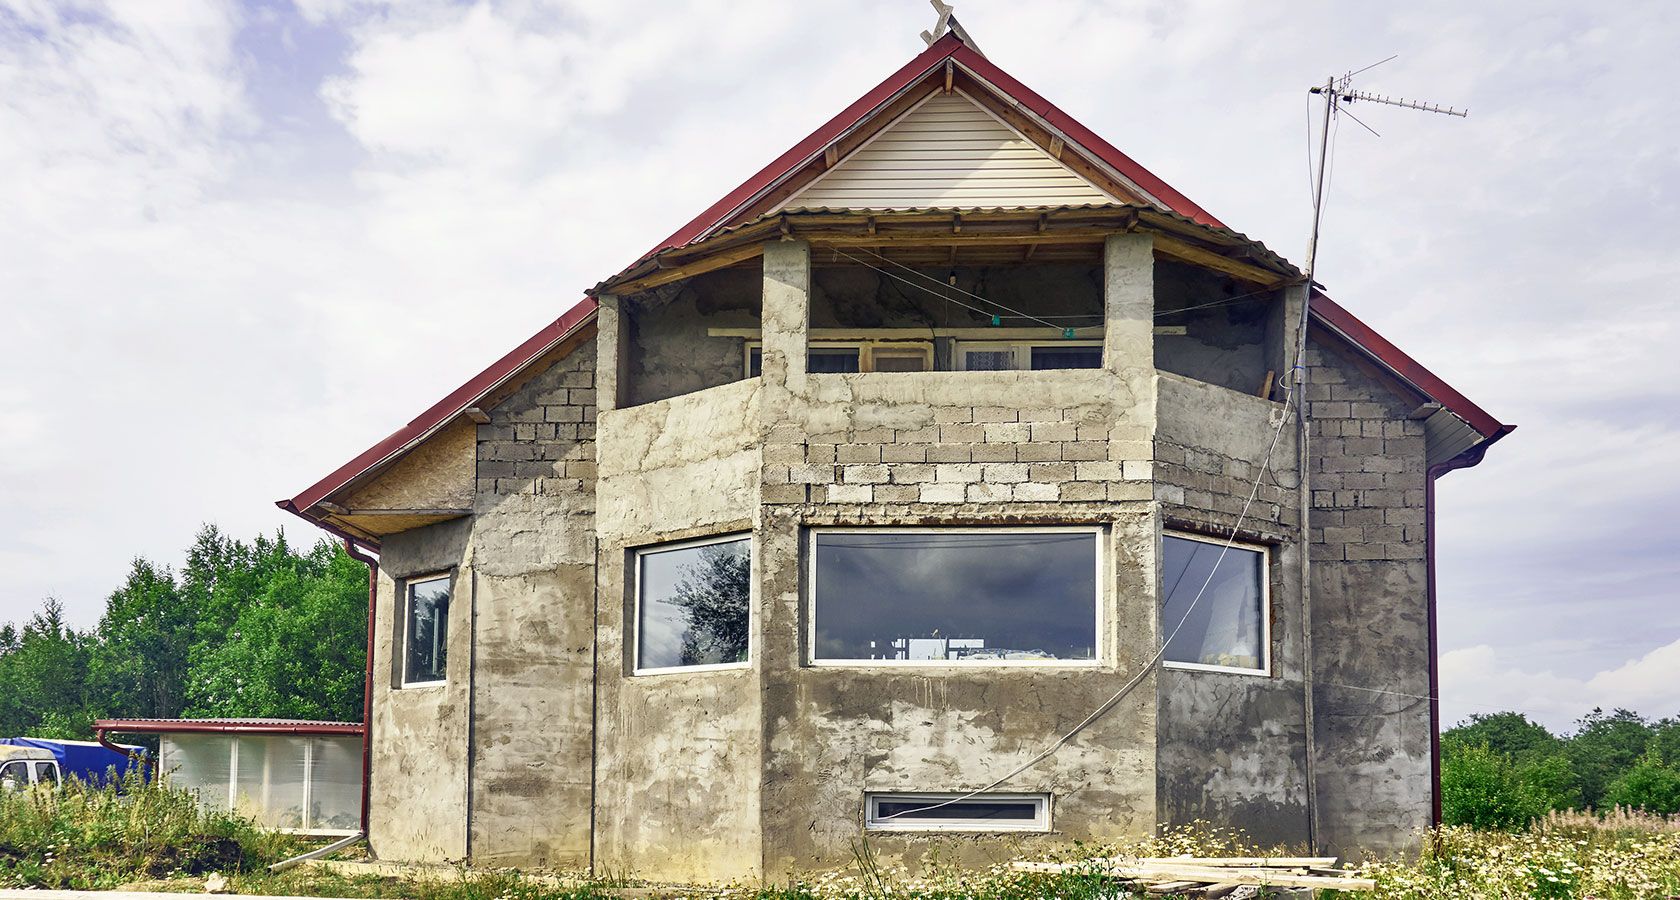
947, 22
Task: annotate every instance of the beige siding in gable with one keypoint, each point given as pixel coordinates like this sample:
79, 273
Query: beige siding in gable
948, 152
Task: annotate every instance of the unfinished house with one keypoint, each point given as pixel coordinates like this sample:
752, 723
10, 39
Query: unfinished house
952, 432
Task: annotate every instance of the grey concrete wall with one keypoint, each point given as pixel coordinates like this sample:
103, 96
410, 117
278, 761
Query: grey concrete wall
850, 295
1370, 607
668, 350
1232, 747
418, 789
532, 561
1227, 344
956, 448
677, 752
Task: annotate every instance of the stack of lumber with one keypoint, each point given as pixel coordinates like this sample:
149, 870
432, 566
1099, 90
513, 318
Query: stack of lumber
1213, 877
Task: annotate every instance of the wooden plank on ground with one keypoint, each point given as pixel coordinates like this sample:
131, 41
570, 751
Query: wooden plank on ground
1275, 862
1212, 875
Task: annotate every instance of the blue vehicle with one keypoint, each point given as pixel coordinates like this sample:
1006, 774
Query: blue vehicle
26, 761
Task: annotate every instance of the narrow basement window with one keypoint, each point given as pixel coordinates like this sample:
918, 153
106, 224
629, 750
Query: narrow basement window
426, 631
1227, 628
954, 596
957, 812
693, 606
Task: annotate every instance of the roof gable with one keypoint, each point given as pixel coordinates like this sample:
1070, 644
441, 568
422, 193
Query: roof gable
948, 152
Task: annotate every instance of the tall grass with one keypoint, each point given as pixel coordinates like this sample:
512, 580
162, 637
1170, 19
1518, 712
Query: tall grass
86, 837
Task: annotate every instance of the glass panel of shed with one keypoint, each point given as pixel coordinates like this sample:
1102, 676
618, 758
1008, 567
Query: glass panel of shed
299, 783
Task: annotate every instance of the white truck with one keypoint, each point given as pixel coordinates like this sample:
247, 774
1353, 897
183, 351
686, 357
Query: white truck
21, 767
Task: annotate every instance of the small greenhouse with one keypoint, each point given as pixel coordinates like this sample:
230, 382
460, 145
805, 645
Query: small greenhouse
303, 777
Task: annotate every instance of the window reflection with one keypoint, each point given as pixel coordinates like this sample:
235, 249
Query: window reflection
693, 604
955, 596
427, 631
1224, 627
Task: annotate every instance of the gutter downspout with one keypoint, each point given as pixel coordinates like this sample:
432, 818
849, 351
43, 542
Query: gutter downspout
1464, 460
145, 764
367, 680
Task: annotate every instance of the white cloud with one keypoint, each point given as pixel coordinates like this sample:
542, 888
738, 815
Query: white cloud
1483, 680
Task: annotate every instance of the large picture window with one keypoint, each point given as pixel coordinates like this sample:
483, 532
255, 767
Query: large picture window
1225, 628
426, 631
693, 604
954, 596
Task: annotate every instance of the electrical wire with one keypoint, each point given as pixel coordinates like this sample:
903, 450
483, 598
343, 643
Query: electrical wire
1154, 660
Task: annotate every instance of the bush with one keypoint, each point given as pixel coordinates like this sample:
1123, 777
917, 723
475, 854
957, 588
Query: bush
1650, 785
1482, 789
85, 837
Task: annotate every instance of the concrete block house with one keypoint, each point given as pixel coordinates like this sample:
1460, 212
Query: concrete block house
951, 431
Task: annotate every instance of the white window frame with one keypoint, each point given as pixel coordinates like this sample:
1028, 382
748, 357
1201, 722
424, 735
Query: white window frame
1020, 352
1265, 669
1096, 531
866, 350
636, 607
407, 622
873, 822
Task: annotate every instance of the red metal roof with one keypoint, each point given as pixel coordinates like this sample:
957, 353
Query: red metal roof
445, 409
228, 726
947, 47
1410, 369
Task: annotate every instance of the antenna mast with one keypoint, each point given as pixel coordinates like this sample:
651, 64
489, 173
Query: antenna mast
1336, 92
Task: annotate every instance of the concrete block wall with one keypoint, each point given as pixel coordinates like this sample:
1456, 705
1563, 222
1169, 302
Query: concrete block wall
1232, 747
1370, 605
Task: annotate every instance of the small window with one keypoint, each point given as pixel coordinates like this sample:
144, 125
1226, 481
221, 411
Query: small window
830, 357
426, 632
693, 605
883, 359
954, 596
1225, 628
46, 773
958, 812
14, 776
996, 356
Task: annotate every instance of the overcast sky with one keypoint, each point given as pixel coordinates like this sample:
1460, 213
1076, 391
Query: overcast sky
240, 243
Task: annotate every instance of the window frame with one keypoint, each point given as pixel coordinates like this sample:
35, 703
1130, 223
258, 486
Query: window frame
1099, 620
408, 584
866, 349
1040, 823
636, 603
1020, 353
1265, 668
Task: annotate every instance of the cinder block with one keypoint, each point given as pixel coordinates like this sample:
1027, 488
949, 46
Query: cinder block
1036, 452
1054, 431
783, 493
993, 453
1004, 473
897, 493
820, 454
962, 434
1128, 491
1048, 414
811, 474
864, 474
1138, 470
954, 472
1085, 450
1037, 491
857, 453
783, 454
911, 473
1084, 491
948, 453
994, 414
928, 435
948, 415
990, 493
1007, 432
1097, 471
849, 493
1051, 472
943, 493
904, 453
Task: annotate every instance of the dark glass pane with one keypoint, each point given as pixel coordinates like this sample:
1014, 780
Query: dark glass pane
694, 607
46, 773
755, 362
979, 596
832, 361
988, 360
428, 630
906, 363
1066, 357
1223, 627
910, 810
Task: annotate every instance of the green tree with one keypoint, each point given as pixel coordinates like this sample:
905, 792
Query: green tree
1651, 785
1603, 747
1667, 740
139, 662
44, 674
296, 648
1481, 788
1510, 733
715, 593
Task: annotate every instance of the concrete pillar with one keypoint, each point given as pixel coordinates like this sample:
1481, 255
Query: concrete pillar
1283, 336
609, 343
1129, 302
787, 312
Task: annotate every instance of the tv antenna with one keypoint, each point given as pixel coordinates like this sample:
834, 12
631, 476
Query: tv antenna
1338, 93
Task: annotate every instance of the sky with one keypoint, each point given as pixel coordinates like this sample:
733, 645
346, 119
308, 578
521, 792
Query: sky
242, 242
